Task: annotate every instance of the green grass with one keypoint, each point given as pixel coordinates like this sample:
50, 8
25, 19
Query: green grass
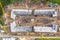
47, 39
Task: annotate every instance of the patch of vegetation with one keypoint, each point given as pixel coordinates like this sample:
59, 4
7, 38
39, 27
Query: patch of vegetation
12, 1
1, 14
5, 2
35, 1
47, 39
54, 1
